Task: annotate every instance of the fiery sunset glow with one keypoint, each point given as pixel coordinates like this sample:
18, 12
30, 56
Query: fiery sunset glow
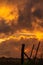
20, 22
25, 35
8, 13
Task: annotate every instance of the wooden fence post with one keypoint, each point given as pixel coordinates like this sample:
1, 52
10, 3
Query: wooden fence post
37, 50
22, 53
32, 50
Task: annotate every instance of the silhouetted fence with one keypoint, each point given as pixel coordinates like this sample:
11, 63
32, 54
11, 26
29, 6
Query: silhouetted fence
23, 53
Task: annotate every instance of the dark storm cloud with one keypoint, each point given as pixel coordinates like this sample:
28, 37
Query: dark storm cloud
25, 20
26, 17
4, 28
38, 8
38, 13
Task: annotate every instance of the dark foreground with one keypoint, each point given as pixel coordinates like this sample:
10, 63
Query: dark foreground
16, 61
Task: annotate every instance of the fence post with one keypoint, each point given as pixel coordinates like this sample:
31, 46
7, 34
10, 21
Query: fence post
32, 50
22, 53
37, 50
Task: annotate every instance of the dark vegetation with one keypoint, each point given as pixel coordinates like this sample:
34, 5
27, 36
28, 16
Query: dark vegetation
17, 61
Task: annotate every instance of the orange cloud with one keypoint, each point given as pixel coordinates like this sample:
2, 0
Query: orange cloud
9, 13
25, 34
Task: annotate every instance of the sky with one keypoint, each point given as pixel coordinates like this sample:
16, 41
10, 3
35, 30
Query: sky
21, 22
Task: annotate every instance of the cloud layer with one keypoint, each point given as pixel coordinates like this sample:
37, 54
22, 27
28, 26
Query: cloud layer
29, 13
21, 17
